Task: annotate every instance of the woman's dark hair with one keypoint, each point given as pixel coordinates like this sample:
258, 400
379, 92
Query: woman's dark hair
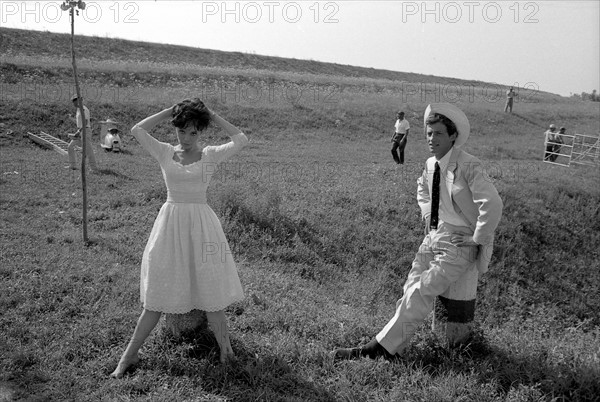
190, 111
440, 118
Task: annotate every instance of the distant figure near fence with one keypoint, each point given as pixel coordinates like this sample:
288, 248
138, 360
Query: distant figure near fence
510, 94
560, 141
553, 142
565, 149
461, 209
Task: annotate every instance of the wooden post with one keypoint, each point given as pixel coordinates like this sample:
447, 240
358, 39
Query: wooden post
180, 325
71, 7
454, 310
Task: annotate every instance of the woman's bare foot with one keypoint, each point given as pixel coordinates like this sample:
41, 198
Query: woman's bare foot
124, 365
217, 323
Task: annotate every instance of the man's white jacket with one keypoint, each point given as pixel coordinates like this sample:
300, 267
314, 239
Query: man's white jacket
474, 198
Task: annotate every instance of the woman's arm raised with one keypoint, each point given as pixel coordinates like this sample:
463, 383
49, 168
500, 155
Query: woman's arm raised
224, 124
238, 139
140, 131
151, 121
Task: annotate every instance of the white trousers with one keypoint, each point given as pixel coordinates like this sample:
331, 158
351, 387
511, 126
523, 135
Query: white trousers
437, 265
78, 142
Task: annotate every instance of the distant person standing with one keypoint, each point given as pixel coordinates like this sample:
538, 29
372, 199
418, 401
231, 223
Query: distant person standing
553, 142
399, 138
558, 143
76, 140
562, 131
510, 94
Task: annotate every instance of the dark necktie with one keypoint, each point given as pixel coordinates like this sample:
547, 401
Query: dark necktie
435, 197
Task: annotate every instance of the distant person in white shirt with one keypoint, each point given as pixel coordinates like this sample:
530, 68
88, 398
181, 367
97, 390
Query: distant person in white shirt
76, 140
553, 142
399, 138
510, 94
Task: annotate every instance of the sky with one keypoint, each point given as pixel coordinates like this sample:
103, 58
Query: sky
551, 46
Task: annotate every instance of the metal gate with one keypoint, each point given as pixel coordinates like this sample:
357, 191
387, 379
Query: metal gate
574, 149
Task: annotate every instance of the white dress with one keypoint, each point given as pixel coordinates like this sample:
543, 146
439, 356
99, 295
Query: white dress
187, 263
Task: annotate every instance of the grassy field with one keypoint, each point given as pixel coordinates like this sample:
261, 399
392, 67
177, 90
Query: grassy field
323, 225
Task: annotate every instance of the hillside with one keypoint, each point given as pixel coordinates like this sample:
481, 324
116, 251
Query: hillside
36, 66
57, 46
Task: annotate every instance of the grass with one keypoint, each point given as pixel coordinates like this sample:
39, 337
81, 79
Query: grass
324, 229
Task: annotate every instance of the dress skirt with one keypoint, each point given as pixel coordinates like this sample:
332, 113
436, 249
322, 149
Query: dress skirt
187, 263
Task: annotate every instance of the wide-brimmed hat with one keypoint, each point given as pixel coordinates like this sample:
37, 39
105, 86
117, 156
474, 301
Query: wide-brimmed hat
456, 115
110, 121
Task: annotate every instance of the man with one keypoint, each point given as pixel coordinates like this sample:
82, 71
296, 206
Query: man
76, 140
461, 209
399, 138
559, 142
552, 143
510, 94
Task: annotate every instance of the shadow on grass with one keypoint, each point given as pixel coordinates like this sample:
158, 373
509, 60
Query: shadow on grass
247, 377
290, 241
517, 375
530, 121
110, 172
122, 151
118, 247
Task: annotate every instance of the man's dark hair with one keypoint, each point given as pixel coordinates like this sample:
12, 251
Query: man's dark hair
440, 118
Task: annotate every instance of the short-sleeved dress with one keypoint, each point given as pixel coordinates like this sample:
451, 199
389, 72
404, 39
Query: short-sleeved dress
187, 263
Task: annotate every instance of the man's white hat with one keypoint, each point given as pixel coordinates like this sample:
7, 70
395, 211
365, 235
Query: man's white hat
456, 115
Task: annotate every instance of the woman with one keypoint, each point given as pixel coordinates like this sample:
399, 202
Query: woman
187, 263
